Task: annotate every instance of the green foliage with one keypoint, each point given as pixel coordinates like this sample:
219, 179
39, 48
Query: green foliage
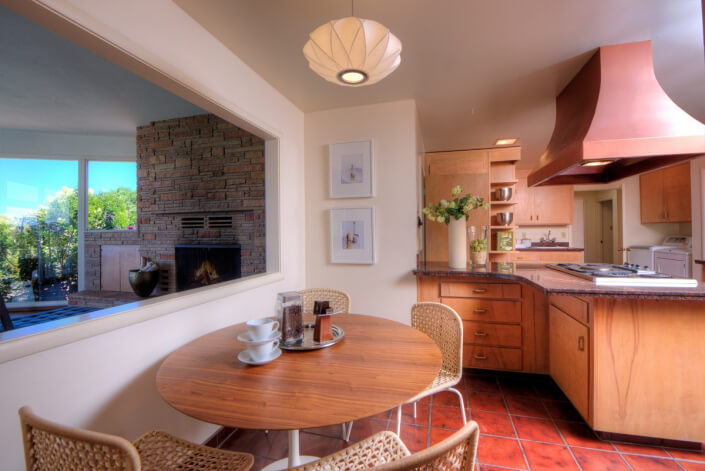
457, 208
116, 209
48, 244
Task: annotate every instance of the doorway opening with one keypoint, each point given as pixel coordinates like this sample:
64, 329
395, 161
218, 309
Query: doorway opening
599, 222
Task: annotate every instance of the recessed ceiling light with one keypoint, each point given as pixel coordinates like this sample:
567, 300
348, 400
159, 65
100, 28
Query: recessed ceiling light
596, 163
506, 141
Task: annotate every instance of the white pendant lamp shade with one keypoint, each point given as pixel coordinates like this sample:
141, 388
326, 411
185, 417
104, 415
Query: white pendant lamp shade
352, 51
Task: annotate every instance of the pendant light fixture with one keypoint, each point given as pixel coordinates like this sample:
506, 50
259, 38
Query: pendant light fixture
353, 51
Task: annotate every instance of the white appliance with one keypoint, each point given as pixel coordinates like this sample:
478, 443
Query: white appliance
644, 256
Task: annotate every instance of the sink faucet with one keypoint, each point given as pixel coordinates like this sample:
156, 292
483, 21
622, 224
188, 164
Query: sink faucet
548, 237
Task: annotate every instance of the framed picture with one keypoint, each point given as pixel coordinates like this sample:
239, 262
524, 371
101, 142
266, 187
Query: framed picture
352, 234
351, 169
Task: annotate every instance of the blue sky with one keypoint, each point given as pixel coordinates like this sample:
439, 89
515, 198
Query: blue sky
25, 184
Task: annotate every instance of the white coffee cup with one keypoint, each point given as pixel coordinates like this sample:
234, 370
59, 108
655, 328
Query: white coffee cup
260, 329
260, 351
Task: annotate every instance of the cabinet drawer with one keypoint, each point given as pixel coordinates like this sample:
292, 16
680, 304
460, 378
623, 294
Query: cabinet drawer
499, 335
574, 307
485, 309
463, 289
495, 358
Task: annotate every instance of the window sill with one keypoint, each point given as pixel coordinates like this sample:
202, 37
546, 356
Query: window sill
37, 338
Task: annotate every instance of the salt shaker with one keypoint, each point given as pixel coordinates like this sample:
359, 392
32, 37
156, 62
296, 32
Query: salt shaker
291, 316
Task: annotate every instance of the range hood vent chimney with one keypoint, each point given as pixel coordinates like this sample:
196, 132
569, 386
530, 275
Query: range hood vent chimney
614, 120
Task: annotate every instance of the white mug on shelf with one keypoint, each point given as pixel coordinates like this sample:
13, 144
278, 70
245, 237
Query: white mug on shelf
261, 351
260, 329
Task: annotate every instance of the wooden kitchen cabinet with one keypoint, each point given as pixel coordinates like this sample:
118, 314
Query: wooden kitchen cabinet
568, 348
500, 329
544, 205
546, 256
443, 171
665, 195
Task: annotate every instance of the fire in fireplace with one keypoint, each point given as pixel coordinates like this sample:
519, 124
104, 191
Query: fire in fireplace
200, 265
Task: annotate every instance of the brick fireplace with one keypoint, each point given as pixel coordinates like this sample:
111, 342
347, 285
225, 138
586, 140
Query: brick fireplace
200, 181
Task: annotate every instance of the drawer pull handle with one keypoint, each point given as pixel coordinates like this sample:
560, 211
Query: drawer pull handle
479, 311
479, 290
478, 356
581, 343
480, 334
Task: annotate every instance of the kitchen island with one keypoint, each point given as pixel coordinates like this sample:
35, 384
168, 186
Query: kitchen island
628, 358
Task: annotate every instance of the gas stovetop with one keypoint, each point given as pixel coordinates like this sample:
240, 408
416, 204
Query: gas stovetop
604, 274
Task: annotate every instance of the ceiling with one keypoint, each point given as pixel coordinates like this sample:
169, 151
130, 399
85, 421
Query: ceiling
48, 83
478, 69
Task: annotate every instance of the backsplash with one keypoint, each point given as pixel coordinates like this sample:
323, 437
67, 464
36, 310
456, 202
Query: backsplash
561, 233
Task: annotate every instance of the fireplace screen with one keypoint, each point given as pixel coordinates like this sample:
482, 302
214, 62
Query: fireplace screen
201, 265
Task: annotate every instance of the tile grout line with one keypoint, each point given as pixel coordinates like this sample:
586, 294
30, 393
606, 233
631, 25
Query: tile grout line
511, 420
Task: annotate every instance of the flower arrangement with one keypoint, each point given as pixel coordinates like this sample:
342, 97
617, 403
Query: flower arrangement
458, 207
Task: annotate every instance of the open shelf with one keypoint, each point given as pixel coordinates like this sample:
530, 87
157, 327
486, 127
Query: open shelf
505, 182
503, 203
504, 228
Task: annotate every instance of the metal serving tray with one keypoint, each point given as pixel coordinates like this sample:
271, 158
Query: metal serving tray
307, 343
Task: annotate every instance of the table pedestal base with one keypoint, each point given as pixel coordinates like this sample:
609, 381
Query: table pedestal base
294, 458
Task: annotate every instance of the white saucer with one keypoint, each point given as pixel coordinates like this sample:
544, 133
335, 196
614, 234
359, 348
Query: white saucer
245, 338
244, 356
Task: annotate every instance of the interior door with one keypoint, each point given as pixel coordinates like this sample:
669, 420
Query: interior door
607, 232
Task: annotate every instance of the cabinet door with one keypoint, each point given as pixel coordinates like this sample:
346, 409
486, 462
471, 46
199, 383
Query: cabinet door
568, 357
553, 205
444, 170
651, 197
524, 210
676, 192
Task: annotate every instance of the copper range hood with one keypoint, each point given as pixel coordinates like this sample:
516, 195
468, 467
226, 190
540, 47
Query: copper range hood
614, 120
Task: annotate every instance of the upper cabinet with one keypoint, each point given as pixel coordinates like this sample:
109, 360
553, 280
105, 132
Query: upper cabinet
544, 205
665, 195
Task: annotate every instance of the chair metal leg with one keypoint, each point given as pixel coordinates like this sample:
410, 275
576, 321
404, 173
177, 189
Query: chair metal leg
414, 409
462, 403
347, 428
398, 420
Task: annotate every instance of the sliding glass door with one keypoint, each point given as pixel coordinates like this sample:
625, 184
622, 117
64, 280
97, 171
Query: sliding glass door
38, 229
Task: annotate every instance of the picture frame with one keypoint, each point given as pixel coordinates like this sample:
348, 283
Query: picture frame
352, 235
350, 165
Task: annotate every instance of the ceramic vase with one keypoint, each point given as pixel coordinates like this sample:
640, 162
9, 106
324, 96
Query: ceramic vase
457, 243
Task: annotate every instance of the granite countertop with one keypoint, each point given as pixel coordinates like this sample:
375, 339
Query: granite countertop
554, 282
550, 249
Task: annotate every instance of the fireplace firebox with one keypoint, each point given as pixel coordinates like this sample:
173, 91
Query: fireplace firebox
201, 265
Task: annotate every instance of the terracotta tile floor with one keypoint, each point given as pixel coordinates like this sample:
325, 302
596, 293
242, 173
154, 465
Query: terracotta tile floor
525, 421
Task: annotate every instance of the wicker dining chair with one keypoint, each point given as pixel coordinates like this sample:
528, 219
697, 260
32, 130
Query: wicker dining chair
445, 327
384, 451
51, 446
339, 300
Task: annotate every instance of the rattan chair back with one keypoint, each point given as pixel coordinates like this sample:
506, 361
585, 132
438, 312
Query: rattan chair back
455, 453
384, 451
50, 446
445, 327
339, 300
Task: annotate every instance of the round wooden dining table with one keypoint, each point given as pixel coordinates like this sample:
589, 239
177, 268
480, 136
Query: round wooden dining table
378, 365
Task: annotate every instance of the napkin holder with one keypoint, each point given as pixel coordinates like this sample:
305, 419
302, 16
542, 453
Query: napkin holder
323, 330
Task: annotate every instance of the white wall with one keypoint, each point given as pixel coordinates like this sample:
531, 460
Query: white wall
387, 288
107, 382
697, 191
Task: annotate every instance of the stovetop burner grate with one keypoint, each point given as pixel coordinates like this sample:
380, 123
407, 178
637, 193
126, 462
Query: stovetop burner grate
599, 269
